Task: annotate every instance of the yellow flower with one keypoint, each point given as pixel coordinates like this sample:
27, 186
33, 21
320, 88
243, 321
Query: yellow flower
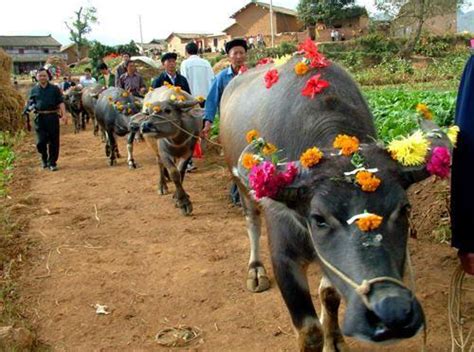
125, 94
173, 97
411, 150
348, 144
367, 181
424, 110
148, 105
156, 109
181, 98
111, 99
281, 60
150, 89
369, 223
311, 157
251, 135
453, 134
269, 149
177, 89
200, 98
301, 68
129, 111
249, 160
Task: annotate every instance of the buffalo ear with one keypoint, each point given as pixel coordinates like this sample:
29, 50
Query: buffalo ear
196, 112
437, 138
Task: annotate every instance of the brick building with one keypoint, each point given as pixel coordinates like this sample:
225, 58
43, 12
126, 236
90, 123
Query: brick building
205, 41
254, 18
30, 52
70, 51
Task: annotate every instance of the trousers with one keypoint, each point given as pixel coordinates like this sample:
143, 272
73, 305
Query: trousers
47, 137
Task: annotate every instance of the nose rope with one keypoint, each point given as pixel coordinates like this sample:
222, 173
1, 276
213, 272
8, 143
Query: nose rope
363, 289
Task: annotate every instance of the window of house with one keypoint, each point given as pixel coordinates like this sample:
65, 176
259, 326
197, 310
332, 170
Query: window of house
21, 51
46, 51
215, 42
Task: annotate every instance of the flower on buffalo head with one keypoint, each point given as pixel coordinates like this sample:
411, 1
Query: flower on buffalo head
249, 160
269, 149
311, 157
251, 136
369, 222
125, 94
271, 77
156, 109
452, 134
367, 181
440, 162
301, 68
347, 144
265, 61
200, 98
310, 49
111, 99
265, 180
411, 150
314, 86
282, 60
243, 69
424, 110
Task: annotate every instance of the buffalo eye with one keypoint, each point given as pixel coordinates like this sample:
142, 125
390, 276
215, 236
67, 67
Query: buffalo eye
167, 111
320, 221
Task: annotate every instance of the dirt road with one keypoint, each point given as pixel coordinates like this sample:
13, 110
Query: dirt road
154, 268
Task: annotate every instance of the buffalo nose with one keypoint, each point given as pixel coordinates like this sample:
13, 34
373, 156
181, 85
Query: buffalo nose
395, 311
146, 127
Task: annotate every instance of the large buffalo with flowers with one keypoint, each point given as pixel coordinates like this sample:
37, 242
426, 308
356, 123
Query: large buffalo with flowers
302, 145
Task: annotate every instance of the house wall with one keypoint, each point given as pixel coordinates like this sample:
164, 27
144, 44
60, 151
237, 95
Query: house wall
286, 23
176, 44
26, 58
254, 20
436, 25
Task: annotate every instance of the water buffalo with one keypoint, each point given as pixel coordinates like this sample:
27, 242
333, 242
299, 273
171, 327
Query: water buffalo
73, 102
307, 221
90, 94
171, 122
113, 111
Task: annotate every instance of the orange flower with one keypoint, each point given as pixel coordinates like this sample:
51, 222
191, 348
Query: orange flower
348, 145
156, 109
367, 181
424, 110
301, 68
311, 157
125, 94
181, 98
177, 89
249, 161
251, 135
111, 99
369, 223
269, 149
200, 98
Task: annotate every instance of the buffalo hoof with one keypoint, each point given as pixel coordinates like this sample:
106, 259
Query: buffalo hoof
112, 162
163, 189
257, 279
132, 165
187, 209
336, 345
310, 338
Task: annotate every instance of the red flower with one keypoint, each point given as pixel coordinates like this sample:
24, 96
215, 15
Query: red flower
440, 162
271, 77
310, 50
314, 86
243, 69
265, 61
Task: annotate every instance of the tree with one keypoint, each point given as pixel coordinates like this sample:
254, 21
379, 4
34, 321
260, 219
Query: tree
80, 26
314, 11
414, 13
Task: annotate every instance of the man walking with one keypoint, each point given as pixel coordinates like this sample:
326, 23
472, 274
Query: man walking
132, 81
237, 52
87, 79
46, 100
197, 71
170, 75
106, 79
122, 68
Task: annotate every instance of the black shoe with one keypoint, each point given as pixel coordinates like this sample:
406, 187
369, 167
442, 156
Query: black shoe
53, 168
44, 164
190, 167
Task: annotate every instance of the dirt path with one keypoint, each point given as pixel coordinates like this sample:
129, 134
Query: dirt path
155, 268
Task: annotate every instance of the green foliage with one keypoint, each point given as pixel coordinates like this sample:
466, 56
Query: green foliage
130, 48
7, 158
81, 24
313, 11
395, 113
285, 48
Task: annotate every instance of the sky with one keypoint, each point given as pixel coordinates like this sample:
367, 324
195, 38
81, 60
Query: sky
119, 20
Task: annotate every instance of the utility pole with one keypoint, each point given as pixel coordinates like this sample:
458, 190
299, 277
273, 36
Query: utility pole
271, 23
141, 32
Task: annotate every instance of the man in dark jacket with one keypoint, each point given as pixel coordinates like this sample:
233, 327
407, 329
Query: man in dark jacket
46, 100
170, 74
122, 68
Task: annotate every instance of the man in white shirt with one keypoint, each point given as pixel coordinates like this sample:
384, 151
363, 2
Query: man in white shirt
87, 79
197, 71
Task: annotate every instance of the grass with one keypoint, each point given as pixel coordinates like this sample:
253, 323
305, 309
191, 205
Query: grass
7, 158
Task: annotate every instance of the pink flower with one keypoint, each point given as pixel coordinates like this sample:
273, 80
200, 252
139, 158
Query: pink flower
265, 180
243, 69
440, 162
265, 61
271, 77
310, 50
314, 86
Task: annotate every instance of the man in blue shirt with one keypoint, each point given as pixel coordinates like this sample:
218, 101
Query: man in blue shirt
236, 51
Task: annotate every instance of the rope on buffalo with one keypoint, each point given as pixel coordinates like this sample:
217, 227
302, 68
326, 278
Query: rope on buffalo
197, 137
457, 322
